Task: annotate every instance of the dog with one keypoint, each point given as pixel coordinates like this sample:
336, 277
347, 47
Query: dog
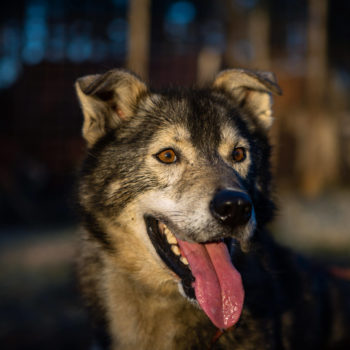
175, 194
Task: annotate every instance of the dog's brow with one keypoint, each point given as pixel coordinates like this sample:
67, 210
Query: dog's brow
181, 133
228, 134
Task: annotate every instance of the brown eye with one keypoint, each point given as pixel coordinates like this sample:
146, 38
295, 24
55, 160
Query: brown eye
239, 154
167, 156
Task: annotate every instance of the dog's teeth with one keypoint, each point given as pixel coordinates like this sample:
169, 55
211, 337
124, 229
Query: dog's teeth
171, 238
184, 260
175, 249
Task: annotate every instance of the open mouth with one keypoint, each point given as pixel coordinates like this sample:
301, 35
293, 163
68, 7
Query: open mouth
167, 247
206, 272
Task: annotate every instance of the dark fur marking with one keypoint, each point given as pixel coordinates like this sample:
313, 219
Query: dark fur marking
92, 226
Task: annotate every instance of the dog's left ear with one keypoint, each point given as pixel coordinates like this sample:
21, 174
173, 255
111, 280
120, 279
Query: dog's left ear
106, 100
251, 91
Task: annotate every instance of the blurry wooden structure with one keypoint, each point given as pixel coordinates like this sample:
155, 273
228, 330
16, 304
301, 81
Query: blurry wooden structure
317, 153
209, 64
259, 36
139, 37
256, 24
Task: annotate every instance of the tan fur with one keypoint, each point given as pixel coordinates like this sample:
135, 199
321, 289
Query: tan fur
254, 88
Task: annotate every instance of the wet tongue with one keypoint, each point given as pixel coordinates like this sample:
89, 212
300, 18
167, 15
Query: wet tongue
218, 285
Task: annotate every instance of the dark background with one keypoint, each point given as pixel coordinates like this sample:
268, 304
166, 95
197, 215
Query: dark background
46, 45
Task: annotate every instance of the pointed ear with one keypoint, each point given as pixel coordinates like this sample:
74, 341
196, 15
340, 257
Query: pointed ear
106, 100
252, 91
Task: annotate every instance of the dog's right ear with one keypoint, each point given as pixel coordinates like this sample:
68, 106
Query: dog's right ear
106, 100
252, 91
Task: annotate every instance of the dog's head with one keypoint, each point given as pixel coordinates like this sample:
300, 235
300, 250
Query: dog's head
180, 177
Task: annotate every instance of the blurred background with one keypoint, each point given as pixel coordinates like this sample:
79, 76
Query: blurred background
46, 45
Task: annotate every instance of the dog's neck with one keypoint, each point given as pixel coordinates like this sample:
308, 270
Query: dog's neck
152, 320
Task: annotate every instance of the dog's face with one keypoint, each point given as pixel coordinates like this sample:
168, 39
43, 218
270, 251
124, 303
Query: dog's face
177, 179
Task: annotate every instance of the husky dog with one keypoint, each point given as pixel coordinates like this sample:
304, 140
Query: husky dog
175, 195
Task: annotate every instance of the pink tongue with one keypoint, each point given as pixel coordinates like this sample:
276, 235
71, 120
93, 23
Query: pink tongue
218, 285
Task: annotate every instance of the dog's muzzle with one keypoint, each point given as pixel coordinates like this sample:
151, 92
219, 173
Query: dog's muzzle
231, 208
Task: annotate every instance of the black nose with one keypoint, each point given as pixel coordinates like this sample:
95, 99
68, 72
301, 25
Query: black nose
231, 208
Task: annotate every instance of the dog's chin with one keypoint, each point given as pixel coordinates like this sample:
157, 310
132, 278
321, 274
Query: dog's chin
166, 245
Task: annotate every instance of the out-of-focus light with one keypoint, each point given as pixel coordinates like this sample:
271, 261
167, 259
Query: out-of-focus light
11, 40
181, 12
117, 32
176, 24
9, 71
212, 35
10, 65
33, 52
56, 44
100, 50
35, 29
35, 33
117, 29
36, 9
79, 49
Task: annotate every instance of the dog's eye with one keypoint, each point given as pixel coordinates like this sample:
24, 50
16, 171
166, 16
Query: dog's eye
167, 156
239, 154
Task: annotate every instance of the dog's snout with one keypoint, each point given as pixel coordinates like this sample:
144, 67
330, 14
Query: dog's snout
232, 208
